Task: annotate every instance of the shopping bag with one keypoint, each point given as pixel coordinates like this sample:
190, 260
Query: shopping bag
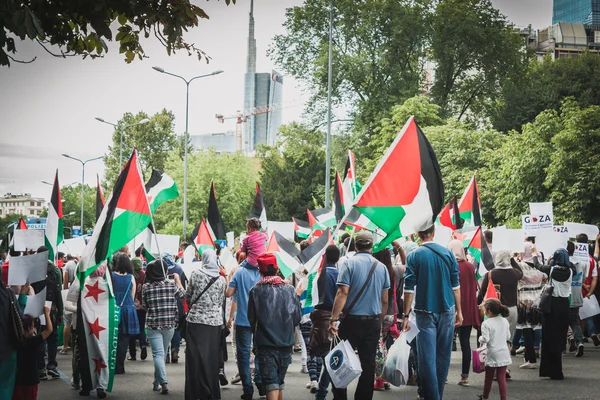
342, 363
590, 307
395, 370
479, 358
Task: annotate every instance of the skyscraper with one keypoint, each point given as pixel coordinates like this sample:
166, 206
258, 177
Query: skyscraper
260, 90
576, 12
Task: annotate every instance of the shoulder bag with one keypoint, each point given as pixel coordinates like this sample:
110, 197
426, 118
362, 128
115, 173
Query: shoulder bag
15, 325
544, 303
123, 301
360, 292
183, 318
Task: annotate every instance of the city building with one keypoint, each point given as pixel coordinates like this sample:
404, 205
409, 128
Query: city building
22, 204
585, 12
222, 142
566, 39
262, 91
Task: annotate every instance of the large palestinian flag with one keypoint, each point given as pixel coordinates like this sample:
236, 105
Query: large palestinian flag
450, 217
481, 253
312, 259
405, 193
286, 253
258, 209
54, 222
301, 230
469, 205
99, 198
160, 188
350, 183
214, 215
202, 237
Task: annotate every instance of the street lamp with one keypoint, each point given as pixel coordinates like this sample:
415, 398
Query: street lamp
186, 135
329, 72
52, 184
116, 126
82, 178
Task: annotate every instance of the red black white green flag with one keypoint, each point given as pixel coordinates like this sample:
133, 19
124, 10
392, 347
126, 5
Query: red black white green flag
301, 230
21, 225
469, 205
286, 253
202, 237
350, 183
405, 193
214, 215
258, 209
450, 217
481, 253
99, 198
339, 200
54, 222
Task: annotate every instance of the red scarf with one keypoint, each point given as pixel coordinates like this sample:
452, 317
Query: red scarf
272, 280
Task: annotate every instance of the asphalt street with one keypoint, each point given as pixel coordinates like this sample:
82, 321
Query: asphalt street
582, 381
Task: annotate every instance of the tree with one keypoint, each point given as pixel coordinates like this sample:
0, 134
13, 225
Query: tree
5, 221
235, 177
82, 27
72, 203
377, 52
153, 140
474, 48
292, 179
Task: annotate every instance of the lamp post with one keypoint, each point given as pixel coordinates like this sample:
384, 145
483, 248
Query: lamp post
82, 179
52, 184
116, 126
186, 135
328, 154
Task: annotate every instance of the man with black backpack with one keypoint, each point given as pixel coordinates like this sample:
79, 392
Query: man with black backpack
54, 284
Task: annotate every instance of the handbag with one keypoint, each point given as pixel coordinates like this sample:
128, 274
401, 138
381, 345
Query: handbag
479, 359
342, 363
544, 303
183, 319
360, 292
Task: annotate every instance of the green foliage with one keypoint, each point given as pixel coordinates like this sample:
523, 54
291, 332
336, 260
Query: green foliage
292, 180
5, 221
235, 177
154, 141
544, 86
72, 203
82, 27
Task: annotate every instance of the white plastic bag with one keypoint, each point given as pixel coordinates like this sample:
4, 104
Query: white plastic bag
342, 363
395, 370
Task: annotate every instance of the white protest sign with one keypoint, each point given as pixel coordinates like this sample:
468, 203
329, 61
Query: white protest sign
30, 269
28, 239
547, 241
581, 252
189, 254
544, 208
512, 240
443, 235
43, 317
168, 244
590, 307
534, 222
190, 267
76, 245
230, 239
575, 229
227, 259
35, 304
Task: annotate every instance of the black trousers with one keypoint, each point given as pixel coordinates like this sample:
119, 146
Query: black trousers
529, 338
363, 336
122, 346
464, 336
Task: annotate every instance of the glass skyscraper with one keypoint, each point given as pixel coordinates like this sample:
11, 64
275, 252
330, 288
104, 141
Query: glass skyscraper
576, 12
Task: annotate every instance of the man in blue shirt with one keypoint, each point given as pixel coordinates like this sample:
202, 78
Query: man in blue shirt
363, 312
434, 270
242, 281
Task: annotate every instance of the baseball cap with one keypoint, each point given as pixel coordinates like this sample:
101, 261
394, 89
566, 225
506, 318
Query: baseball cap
364, 237
266, 259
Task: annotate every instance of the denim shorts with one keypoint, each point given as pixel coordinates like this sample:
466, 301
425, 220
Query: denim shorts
273, 365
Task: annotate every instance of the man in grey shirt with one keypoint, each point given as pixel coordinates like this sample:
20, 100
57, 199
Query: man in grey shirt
576, 342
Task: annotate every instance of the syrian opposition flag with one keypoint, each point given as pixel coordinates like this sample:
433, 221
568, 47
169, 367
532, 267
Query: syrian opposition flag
214, 215
99, 198
301, 230
313, 260
54, 222
160, 188
481, 253
469, 205
286, 253
450, 217
258, 209
21, 225
202, 238
405, 193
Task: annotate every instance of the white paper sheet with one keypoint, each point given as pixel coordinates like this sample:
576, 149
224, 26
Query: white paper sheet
544, 208
512, 240
575, 229
230, 239
64, 294
188, 268
443, 235
547, 241
590, 307
43, 317
412, 333
76, 245
167, 244
35, 304
30, 269
28, 239
227, 260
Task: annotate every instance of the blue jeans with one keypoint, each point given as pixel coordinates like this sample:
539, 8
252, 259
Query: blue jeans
324, 382
434, 345
590, 326
243, 344
273, 365
176, 341
159, 341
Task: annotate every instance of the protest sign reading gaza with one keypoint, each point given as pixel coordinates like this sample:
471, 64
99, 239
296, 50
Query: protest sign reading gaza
533, 223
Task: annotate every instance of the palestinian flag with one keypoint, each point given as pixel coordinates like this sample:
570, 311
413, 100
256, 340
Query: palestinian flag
160, 188
143, 241
214, 215
405, 193
258, 209
99, 198
286, 253
481, 253
21, 225
339, 205
301, 230
54, 222
450, 217
351, 186
469, 205
321, 219
126, 215
313, 260
202, 238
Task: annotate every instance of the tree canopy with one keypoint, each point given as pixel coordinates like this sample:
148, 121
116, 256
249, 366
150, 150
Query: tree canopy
72, 203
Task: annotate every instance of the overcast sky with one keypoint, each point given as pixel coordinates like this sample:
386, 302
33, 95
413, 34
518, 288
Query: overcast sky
48, 107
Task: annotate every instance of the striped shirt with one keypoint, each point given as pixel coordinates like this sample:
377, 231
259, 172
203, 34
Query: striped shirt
158, 299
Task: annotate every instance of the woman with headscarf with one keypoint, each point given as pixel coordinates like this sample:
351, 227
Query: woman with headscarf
556, 323
140, 277
468, 300
204, 295
159, 300
529, 290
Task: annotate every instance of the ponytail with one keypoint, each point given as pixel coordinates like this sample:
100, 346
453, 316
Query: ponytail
496, 308
504, 311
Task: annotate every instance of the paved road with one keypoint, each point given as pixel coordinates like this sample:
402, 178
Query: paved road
582, 382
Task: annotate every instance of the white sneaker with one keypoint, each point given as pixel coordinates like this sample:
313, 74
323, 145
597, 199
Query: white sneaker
314, 385
528, 365
521, 350
308, 385
304, 369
